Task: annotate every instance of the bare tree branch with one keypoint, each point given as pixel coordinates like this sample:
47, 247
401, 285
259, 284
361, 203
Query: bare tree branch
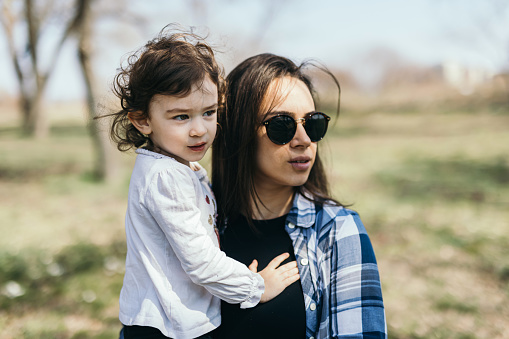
30, 17
7, 19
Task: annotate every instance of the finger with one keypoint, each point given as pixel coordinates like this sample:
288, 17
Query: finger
290, 280
291, 273
253, 267
287, 266
278, 260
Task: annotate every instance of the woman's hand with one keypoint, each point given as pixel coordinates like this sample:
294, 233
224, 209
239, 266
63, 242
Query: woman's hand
276, 277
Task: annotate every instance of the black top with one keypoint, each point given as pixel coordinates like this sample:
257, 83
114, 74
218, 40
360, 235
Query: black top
283, 316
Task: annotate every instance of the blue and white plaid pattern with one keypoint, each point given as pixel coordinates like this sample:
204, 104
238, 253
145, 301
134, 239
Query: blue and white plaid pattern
338, 272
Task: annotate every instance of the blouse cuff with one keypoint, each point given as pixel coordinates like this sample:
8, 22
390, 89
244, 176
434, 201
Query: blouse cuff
257, 290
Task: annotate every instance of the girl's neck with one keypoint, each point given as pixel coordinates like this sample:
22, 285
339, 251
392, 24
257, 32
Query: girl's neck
273, 203
156, 149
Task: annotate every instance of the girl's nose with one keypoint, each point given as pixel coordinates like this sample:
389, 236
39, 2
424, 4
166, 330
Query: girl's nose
198, 127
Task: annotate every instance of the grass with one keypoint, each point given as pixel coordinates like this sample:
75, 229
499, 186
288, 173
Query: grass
457, 178
431, 188
432, 191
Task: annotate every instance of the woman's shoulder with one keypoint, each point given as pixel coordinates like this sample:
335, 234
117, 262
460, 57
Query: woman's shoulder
337, 210
307, 211
343, 218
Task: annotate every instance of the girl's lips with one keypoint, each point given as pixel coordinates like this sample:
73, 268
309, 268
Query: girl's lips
198, 147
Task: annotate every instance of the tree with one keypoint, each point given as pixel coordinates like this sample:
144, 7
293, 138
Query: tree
26, 23
484, 30
105, 166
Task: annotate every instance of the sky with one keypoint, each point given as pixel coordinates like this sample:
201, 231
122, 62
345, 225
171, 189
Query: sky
338, 33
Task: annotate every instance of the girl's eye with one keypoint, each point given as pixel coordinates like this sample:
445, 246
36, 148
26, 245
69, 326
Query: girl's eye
209, 113
181, 117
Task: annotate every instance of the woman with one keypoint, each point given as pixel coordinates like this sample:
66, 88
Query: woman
273, 197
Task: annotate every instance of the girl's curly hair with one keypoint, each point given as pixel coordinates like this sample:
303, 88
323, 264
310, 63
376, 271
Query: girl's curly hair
170, 64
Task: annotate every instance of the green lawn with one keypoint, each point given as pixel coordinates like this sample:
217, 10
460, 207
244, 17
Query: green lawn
431, 187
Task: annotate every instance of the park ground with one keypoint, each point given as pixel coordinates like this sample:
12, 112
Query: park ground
431, 185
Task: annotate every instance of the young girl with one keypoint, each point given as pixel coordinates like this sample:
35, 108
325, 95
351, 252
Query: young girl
174, 267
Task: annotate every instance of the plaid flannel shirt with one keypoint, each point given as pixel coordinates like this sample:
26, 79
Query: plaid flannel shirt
338, 272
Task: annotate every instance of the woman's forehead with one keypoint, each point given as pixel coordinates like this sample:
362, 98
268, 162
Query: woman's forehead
285, 93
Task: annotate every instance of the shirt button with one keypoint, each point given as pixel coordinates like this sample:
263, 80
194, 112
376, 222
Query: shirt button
312, 307
304, 262
290, 225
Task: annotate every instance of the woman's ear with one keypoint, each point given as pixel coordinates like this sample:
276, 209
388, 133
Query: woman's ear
141, 123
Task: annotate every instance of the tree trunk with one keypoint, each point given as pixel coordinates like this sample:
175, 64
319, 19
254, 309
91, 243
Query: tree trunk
106, 158
32, 79
35, 122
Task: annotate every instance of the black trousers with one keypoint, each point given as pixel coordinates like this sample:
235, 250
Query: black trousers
147, 332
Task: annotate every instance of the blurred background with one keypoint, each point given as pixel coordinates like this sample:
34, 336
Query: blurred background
420, 149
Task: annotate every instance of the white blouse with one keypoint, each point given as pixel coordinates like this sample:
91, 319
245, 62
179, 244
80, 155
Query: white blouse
174, 267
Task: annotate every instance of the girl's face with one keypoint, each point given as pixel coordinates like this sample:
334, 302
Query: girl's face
286, 165
183, 127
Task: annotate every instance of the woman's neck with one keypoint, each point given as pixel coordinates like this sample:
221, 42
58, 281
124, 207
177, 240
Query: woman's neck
273, 203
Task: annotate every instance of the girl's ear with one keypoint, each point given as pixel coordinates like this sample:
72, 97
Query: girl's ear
141, 124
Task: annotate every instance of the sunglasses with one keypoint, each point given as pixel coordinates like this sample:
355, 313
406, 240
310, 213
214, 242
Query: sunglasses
282, 127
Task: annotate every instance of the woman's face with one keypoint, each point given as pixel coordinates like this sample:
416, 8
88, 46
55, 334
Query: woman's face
288, 165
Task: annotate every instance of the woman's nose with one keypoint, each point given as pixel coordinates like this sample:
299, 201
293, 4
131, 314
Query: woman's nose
300, 138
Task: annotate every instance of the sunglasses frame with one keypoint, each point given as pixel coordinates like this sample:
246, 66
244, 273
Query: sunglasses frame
303, 120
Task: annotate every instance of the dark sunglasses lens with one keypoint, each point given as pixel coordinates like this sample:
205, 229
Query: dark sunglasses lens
281, 129
316, 127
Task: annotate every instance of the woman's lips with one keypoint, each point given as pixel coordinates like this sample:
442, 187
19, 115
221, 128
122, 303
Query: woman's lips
300, 163
198, 147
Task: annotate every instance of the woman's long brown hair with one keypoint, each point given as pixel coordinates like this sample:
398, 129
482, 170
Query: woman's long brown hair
234, 150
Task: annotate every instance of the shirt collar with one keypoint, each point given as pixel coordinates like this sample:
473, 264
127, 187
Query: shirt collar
152, 154
197, 169
303, 212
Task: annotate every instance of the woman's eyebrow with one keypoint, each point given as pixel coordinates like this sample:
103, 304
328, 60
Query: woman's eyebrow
274, 113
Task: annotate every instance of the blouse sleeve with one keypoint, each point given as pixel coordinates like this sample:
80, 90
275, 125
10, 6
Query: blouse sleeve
171, 199
356, 291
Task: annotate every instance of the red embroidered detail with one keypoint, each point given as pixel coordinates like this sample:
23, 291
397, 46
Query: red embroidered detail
207, 199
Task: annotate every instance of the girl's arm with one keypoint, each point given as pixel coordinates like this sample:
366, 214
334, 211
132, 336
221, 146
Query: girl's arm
171, 200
